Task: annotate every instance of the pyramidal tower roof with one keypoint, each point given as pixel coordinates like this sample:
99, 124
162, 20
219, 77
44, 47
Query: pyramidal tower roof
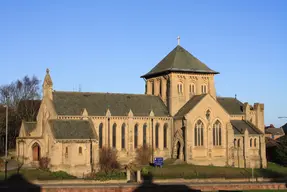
179, 60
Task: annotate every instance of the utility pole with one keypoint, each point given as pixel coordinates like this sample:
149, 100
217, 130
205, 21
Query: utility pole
152, 152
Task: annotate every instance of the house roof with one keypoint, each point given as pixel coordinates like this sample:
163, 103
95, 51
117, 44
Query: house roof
231, 105
275, 131
271, 142
189, 106
179, 60
239, 127
97, 104
29, 126
72, 129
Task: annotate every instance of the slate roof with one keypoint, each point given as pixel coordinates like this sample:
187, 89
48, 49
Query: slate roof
29, 126
275, 131
72, 129
179, 60
97, 104
271, 142
189, 106
231, 105
239, 127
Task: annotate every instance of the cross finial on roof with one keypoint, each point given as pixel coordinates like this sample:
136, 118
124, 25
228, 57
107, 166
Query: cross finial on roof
235, 96
178, 40
47, 71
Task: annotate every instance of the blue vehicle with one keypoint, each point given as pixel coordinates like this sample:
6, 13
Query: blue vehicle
158, 161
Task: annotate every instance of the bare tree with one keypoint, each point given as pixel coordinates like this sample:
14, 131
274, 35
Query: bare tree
28, 109
22, 97
25, 89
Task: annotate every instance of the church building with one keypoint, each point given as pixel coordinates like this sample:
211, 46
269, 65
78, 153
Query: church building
179, 116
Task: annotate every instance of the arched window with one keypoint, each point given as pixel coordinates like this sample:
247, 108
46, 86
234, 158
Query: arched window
156, 135
238, 143
114, 135
80, 150
180, 88
234, 142
198, 133
255, 142
66, 152
123, 136
136, 136
101, 135
165, 135
217, 133
144, 133
251, 142
152, 87
160, 86
192, 89
203, 89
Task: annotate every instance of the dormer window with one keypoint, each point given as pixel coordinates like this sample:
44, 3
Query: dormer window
180, 88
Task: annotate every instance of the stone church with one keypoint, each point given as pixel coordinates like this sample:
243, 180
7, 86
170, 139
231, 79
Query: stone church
179, 116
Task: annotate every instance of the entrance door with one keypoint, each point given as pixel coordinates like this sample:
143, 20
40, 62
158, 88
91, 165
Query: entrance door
36, 152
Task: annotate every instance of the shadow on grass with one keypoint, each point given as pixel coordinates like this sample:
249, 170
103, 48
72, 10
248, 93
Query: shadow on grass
149, 186
17, 183
267, 173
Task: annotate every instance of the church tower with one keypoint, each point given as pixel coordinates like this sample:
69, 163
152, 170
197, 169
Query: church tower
47, 85
178, 77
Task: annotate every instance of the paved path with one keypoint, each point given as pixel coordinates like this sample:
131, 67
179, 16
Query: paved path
12, 165
138, 184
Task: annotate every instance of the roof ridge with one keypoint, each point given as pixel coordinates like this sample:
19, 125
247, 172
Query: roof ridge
230, 98
112, 93
68, 120
189, 101
226, 97
253, 126
179, 60
172, 66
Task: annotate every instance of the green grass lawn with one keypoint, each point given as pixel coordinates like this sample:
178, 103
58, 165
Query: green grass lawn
169, 171
188, 171
265, 190
33, 174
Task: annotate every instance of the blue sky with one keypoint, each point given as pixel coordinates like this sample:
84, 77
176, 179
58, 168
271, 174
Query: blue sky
105, 46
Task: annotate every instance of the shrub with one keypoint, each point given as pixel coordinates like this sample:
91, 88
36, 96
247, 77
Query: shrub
62, 175
143, 155
108, 160
44, 163
102, 176
276, 150
145, 171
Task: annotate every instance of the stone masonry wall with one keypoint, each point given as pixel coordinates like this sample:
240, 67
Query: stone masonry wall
167, 188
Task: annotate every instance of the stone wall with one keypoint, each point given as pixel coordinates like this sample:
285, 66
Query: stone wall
166, 188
